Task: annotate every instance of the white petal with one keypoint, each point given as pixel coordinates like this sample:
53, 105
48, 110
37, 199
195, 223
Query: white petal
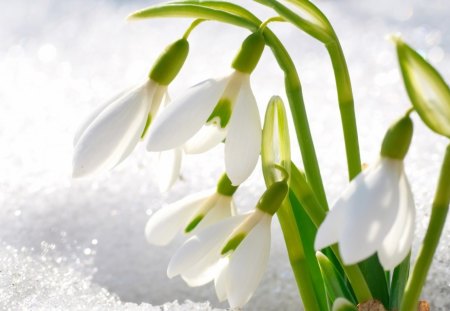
119, 126
208, 137
207, 242
155, 99
169, 166
372, 206
397, 243
223, 208
248, 264
243, 142
220, 282
169, 220
83, 126
185, 116
204, 271
330, 229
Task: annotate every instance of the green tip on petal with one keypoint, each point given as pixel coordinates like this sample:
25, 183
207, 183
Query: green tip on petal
233, 243
427, 90
169, 63
222, 111
191, 226
147, 125
274, 196
397, 140
250, 53
225, 187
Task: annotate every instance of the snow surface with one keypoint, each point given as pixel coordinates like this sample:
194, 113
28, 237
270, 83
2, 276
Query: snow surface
79, 244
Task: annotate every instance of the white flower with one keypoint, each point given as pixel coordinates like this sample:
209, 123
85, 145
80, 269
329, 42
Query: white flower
110, 134
244, 241
193, 212
374, 214
208, 113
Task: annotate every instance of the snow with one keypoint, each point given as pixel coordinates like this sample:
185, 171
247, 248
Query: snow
79, 244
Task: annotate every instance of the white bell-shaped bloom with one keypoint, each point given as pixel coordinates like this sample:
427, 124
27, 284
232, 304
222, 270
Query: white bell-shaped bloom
207, 114
110, 134
374, 214
234, 253
193, 212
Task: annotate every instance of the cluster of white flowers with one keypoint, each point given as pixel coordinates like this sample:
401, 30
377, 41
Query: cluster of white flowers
374, 214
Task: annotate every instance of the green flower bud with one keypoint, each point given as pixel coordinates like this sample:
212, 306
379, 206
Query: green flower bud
169, 63
426, 88
250, 53
274, 196
275, 149
397, 139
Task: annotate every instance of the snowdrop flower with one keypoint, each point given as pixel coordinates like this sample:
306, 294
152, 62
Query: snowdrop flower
193, 212
234, 252
215, 110
110, 134
376, 212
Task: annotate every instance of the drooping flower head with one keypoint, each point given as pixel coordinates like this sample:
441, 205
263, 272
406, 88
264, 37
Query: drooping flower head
234, 252
191, 213
215, 110
376, 213
110, 134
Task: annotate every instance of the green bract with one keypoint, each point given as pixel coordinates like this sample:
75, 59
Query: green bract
427, 90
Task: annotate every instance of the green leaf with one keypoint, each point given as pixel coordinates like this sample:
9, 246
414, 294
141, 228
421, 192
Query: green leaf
308, 232
399, 279
427, 90
376, 279
334, 282
342, 304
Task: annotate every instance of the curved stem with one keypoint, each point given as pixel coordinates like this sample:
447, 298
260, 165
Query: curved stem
346, 107
192, 11
298, 111
324, 32
438, 216
192, 27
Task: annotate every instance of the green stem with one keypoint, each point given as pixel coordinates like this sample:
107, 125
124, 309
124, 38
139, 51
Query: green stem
346, 107
194, 24
325, 33
438, 216
297, 257
192, 11
298, 111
